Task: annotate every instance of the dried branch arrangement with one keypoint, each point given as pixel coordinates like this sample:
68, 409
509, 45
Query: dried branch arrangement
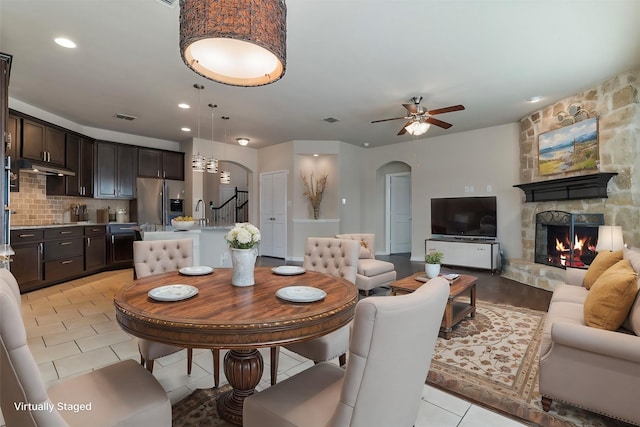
313, 189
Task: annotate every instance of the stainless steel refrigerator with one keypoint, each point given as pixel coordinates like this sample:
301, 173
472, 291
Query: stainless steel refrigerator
158, 202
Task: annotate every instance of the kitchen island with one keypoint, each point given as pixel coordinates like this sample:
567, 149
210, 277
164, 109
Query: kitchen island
209, 245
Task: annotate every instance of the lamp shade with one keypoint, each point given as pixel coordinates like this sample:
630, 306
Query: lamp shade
609, 238
239, 42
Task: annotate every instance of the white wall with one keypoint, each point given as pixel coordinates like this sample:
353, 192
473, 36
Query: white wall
444, 167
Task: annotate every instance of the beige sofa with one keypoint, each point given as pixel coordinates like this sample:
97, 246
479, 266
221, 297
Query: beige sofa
588, 367
372, 273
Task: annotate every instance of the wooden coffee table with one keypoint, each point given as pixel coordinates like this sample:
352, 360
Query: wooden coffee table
456, 309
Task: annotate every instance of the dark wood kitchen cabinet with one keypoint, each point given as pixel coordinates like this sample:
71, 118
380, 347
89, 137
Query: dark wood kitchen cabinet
42, 142
95, 247
116, 170
63, 253
79, 158
27, 264
45, 256
173, 165
160, 164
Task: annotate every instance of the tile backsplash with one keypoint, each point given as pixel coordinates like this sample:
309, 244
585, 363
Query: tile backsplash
32, 206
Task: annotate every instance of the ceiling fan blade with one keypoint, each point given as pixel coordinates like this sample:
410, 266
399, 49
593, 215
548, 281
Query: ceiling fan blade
443, 125
386, 120
404, 128
446, 109
411, 108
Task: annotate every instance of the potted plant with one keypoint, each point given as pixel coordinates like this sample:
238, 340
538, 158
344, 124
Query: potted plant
432, 263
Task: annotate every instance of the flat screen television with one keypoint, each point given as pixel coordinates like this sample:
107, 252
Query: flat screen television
468, 217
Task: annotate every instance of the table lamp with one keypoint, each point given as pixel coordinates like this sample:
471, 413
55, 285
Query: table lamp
609, 238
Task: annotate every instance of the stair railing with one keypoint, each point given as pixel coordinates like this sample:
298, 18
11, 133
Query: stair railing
234, 210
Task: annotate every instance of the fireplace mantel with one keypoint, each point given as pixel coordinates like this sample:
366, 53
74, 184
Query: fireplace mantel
572, 188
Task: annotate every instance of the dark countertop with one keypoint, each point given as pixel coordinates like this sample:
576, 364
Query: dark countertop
67, 224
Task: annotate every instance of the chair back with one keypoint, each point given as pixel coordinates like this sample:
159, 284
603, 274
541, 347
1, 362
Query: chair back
9, 278
367, 243
390, 352
159, 256
337, 257
23, 395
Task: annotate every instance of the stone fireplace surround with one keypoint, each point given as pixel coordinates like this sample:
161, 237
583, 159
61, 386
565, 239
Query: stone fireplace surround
617, 102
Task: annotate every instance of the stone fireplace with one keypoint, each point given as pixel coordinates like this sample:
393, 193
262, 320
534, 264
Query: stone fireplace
566, 239
616, 102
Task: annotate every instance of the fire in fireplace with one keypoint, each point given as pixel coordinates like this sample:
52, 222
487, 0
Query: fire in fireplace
564, 239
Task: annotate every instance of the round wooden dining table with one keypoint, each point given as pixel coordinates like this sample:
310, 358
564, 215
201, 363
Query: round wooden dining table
241, 319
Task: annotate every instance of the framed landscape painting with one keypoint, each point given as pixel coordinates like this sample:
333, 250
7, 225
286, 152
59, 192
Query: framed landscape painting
570, 148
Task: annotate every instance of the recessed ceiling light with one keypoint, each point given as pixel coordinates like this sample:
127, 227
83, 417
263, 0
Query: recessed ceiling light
64, 42
185, 129
535, 99
315, 155
184, 106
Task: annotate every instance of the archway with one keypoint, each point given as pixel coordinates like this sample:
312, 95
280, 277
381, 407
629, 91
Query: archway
394, 179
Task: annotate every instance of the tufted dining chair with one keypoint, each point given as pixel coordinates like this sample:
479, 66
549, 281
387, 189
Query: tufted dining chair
156, 257
338, 257
388, 331
122, 394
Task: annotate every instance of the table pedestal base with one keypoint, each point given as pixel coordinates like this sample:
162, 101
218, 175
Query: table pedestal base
243, 369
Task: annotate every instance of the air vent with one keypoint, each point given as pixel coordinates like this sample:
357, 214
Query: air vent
168, 3
124, 116
331, 120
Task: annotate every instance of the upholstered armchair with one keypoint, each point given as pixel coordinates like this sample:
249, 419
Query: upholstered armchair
339, 258
372, 273
122, 394
388, 331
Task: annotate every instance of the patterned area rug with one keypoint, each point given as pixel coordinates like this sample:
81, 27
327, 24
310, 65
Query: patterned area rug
199, 409
492, 360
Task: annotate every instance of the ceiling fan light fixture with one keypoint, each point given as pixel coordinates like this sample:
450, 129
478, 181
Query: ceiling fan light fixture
417, 128
240, 43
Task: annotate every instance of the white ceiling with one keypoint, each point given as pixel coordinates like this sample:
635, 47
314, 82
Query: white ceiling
356, 61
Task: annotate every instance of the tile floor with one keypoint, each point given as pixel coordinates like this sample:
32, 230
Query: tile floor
71, 329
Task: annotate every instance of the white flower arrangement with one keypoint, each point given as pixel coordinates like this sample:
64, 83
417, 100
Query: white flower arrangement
243, 236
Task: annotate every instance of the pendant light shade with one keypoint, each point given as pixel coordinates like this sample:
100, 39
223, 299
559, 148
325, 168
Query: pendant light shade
239, 42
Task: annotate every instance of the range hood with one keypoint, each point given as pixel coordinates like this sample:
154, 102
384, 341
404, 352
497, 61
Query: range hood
43, 168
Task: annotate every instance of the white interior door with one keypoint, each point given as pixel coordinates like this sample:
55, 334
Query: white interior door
273, 214
400, 213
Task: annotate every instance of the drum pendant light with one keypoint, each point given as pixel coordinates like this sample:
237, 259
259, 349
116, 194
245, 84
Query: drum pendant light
225, 175
235, 42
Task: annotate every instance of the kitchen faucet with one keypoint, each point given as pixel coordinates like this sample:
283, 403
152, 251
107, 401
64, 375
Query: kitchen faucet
203, 219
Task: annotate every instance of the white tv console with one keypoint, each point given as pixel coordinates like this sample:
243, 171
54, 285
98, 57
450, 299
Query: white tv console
476, 253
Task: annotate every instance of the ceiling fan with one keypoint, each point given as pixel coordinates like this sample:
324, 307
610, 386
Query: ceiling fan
419, 118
